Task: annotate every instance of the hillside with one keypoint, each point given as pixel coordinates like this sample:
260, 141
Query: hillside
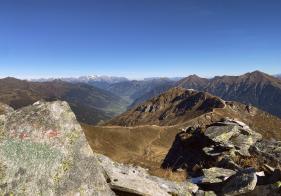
172, 107
179, 106
90, 104
256, 88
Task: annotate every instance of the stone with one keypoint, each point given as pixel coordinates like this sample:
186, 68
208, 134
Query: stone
270, 178
136, 180
43, 151
228, 163
205, 193
221, 134
231, 135
268, 150
216, 174
243, 181
265, 190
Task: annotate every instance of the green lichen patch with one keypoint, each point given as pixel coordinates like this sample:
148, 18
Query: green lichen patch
29, 153
64, 167
72, 137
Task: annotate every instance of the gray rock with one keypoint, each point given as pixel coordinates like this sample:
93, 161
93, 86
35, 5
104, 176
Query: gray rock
216, 174
268, 150
136, 180
243, 181
265, 190
233, 136
205, 193
43, 151
221, 134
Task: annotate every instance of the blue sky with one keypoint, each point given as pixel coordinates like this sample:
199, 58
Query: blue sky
139, 38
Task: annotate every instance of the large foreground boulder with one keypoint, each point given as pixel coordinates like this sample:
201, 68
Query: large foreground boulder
43, 151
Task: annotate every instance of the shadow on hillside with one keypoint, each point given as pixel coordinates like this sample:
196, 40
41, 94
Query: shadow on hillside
187, 153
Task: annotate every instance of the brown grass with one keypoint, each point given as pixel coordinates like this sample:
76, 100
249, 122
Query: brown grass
147, 145
177, 176
248, 162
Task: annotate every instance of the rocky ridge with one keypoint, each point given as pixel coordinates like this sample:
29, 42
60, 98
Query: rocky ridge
228, 158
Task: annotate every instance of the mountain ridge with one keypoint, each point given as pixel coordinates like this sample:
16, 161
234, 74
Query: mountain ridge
257, 88
89, 103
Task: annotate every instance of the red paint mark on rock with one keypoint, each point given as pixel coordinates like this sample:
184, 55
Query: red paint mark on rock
23, 135
52, 133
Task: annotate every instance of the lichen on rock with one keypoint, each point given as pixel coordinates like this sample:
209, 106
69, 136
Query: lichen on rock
40, 153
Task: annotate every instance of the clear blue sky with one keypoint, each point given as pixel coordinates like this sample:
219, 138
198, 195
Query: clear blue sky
139, 38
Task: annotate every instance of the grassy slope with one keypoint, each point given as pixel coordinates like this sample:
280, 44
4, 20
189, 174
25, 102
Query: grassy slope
147, 145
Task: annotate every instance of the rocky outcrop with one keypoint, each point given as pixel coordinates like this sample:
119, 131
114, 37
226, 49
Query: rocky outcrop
214, 146
43, 151
220, 158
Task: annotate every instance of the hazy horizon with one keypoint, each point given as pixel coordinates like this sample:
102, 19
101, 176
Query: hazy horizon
130, 78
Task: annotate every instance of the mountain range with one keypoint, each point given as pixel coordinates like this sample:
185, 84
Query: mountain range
103, 97
256, 88
90, 104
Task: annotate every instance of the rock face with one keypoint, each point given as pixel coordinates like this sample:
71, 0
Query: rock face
43, 151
